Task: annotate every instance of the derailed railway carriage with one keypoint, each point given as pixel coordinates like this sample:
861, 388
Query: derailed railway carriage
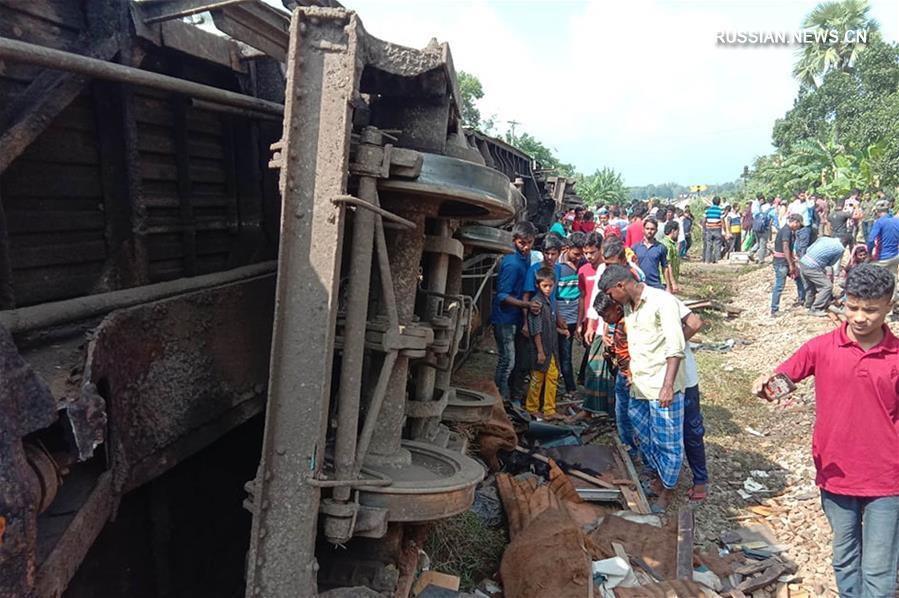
202, 230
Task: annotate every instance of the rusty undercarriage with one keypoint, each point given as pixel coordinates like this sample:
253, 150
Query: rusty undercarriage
159, 286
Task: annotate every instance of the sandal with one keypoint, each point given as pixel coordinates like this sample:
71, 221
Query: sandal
696, 495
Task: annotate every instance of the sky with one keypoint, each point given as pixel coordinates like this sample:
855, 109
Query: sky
641, 86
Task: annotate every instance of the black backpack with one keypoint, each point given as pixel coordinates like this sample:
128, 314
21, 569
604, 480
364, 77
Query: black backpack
760, 222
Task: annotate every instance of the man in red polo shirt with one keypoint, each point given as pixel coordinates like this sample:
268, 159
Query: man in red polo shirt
855, 444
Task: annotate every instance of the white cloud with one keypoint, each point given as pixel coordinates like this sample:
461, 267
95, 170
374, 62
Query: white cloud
640, 85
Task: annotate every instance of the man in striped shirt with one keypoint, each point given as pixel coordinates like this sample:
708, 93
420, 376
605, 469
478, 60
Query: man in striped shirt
711, 249
824, 253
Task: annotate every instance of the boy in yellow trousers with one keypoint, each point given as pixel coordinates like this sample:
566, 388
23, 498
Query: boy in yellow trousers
545, 328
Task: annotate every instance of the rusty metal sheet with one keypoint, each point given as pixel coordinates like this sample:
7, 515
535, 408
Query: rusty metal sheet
168, 368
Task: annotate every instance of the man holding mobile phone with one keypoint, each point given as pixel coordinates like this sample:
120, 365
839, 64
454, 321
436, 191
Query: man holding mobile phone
855, 443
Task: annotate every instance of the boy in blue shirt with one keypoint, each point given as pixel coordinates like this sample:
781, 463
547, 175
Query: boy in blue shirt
508, 304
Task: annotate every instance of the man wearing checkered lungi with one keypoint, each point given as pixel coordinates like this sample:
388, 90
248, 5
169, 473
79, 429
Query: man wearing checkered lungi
656, 344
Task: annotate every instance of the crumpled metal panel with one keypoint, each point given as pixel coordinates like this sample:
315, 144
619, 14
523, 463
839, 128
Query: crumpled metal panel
168, 368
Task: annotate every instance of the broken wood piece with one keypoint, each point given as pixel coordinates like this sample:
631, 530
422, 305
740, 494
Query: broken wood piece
570, 471
685, 543
641, 503
620, 552
760, 581
645, 566
750, 568
632, 500
561, 484
437, 579
762, 510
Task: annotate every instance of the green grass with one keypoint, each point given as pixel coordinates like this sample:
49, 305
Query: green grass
464, 546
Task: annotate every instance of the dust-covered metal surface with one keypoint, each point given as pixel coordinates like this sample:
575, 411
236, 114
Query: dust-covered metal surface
322, 78
168, 368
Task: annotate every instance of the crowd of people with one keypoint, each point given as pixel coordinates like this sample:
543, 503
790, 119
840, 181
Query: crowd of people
610, 279
810, 236
548, 300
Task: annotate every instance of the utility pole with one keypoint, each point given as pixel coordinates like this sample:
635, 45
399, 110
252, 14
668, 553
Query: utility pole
512, 124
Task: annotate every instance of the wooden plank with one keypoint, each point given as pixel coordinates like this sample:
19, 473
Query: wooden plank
631, 499
161, 201
56, 254
64, 13
157, 167
207, 171
33, 111
40, 179
769, 576
570, 471
64, 146
62, 237
756, 566
211, 190
27, 28
207, 264
205, 147
116, 187
684, 560
207, 201
185, 174
156, 139
230, 166
213, 242
37, 285
38, 205
25, 221
11, 87
165, 250
167, 270
205, 123
152, 110
642, 503
77, 116
7, 294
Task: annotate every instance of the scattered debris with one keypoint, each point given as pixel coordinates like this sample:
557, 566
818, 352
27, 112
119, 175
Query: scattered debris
750, 485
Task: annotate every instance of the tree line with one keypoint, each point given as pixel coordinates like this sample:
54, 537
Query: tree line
841, 132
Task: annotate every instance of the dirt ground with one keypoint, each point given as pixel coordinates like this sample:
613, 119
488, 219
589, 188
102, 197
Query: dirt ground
748, 439
780, 460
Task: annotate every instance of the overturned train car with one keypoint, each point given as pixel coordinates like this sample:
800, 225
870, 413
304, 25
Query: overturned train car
198, 228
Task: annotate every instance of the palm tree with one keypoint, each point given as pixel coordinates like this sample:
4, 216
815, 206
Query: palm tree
817, 59
602, 187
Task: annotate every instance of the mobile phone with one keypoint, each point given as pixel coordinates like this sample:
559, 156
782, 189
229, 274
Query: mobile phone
778, 387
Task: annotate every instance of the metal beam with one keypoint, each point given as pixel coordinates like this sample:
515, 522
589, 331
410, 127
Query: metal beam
45, 315
256, 24
318, 121
154, 12
91, 67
